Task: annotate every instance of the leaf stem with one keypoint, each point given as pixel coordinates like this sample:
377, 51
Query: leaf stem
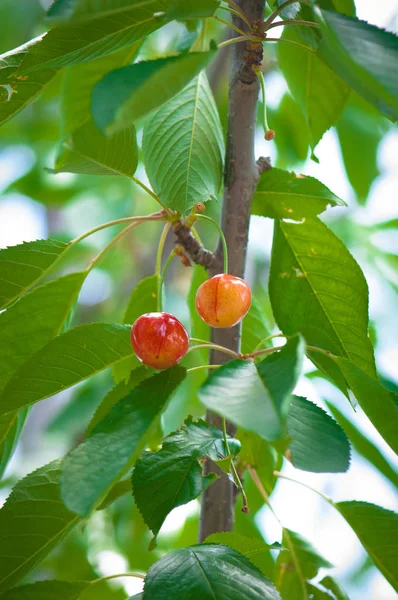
237, 9
203, 367
261, 352
147, 190
236, 40
158, 267
107, 577
245, 508
228, 24
282, 476
269, 134
241, 15
321, 351
209, 346
268, 39
222, 236
94, 262
293, 22
279, 10
270, 337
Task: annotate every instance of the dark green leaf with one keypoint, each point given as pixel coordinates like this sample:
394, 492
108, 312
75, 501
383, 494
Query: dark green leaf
256, 396
191, 9
66, 360
377, 529
70, 44
364, 446
318, 442
125, 95
46, 590
32, 521
179, 169
344, 7
298, 563
292, 139
283, 195
331, 584
316, 287
176, 470
364, 56
253, 548
254, 329
119, 489
18, 91
21, 266
374, 399
89, 471
320, 93
90, 152
10, 429
206, 572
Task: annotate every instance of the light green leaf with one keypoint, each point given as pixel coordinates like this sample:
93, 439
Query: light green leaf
377, 529
69, 44
176, 470
364, 56
29, 540
206, 572
64, 361
254, 329
90, 470
47, 590
191, 9
374, 399
256, 396
10, 429
80, 80
364, 446
125, 95
88, 151
298, 563
22, 265
331, 584
320, 92
17, 92
143, 299
283, 195
183, 148
318, 442
317, 288
253, 548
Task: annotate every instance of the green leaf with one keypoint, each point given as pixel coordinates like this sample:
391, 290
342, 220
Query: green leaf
29, 540
283, 195
206, 572
47, 590
176, 470
254, 329
192, 9
374, 399
256, 396
331, 584
90, 470
80, 80
22, 265
10, 429
320, 92
318, 442
74, 43
21, 91
344, 7
260, 455
377, 529
317, 288
125, 95
298, 563
360, 127
364, 56
143, 299
90, 152
67, 359
183, 148
292, 141
253, 548
364, 446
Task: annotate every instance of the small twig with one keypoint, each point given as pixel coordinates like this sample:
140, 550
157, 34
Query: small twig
194, 249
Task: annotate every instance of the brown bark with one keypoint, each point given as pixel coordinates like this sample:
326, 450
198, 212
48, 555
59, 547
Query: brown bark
240, 179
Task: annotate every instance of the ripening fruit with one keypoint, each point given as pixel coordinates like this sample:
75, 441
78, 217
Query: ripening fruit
223, 300
159, 340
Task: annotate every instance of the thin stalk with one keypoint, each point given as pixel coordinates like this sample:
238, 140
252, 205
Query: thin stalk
94, 262
147, 190
210, 346
199, 340
321, 351
107, 577
222, 237
238, 9
261, 352
228, 24
293, 22
203, 367
245, 507
278, 11
268, 39
237, 14
266, 339
282, 476
158, 267
268, 133
163, 274
236, 40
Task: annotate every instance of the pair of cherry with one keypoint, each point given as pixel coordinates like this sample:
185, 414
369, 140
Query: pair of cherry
160, 341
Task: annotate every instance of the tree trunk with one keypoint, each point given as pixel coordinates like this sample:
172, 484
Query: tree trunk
241, 176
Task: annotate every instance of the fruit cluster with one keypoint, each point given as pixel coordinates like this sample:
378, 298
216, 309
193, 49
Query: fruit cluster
160, 341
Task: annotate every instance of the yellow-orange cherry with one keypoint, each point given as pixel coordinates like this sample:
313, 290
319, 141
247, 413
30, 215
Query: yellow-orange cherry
159, 340
223, 300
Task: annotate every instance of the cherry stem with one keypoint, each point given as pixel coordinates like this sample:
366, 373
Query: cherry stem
268, 39
107, 577
210, 346
261, 352
238, 482
148, 191
293, 22
270, 337
203, 367
236, 13
228, 24
237, 8
222, 236
236, 40
163, 274
94, 262
260, 77
278, 11
282, 476
158, 267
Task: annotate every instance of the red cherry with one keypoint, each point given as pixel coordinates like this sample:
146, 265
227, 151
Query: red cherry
159, 340
223, 300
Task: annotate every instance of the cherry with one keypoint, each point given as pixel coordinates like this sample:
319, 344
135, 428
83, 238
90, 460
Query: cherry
223, 300
159, 340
